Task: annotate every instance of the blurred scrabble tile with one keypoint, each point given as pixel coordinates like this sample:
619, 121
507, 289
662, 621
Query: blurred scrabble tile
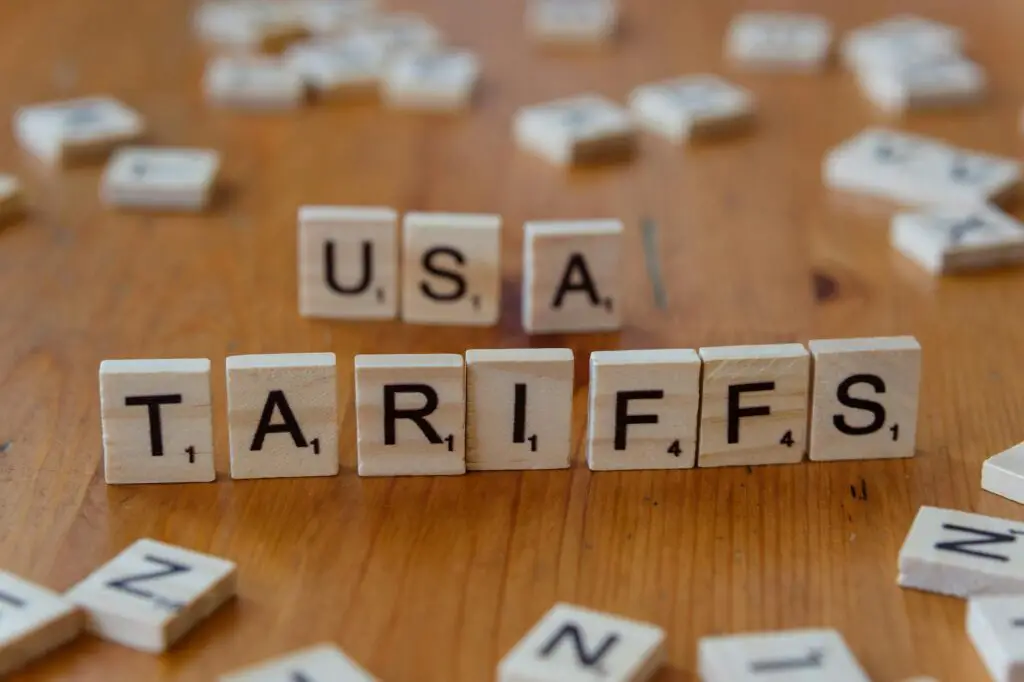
437, 80
572, 276
157, 420
253, 83
572, 22
899, 39
576, 130
76, 131
451, 268
12, 199
963, 555
249, 25
518, 408
754, 404
333, 17
160, 178
643, 409
995, 626
348, 262
151, 594
574, 644
779, 41
691, 106
338, 69
1003, 474
410, 414
283, 415
931, 84
33, 622
911, 169
322, 662
790, 655
399, 33
865, 398
950, 240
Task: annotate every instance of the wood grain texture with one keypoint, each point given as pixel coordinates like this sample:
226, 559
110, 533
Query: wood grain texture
430, 579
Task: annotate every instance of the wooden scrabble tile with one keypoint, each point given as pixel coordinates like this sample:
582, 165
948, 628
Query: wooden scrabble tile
961, 554
160, 178
399, 33
1003, 474
790, 655
899, 39
151, 594
865, 398
410, 414
941, 83
643, 409
949, 240
338, 69
253, 83
573, 644
436, 80
572, 22
334, 17
348, 262
995, 626
12, 199
910, 169
576, 130
572, 276
754, 404
321, 662
76, 131
779, 40
249, 25
518, 408
33, 622
157, 421
691, 106
283, 415
451, 268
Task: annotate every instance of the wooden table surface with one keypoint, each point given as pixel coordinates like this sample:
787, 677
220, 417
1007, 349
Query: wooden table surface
431, 579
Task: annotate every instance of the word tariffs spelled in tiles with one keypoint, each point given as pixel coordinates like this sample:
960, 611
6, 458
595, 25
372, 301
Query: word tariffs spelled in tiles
12, 199
160, 178
76, 131
33, 622
1003, 474
995, 626
963, 555
439, 80
779, 41
348, 262
865, 398
789, 655
572, 276
283, 415
151, 594
157, 419
643, 409
900, 40
253, 83
572, 22
573, 644
691, 106
518, 408
578, 130
322, 662
946, 240
410, 414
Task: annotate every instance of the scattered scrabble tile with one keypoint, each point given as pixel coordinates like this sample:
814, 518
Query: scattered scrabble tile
865, 398
961, 554
254, 83
779, 40
151, 594
572, 22
754, 405
283, 415
333, 17
790, 655
33, 622
584, 129
348, 262
437, 80
157, 420
691, 106
573, 644
932, 84
12, 199
518, 408
321, 662
995, 625
643, 409
261, 25
451, 268
338, 69
898, 40
410, 414
949, 240
160, 178
1003, 474
572, 276
399, 33
76, 131
910, 169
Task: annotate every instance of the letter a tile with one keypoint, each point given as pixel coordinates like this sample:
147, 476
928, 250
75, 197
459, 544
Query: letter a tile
33, 622
786, 656
573, 644
324, 662
961, 554
151, 594
995, 626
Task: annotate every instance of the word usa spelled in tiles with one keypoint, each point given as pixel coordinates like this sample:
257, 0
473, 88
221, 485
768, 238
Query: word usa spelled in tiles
33, 622
779, 40
572, 22
790, 655
691, 106
577, 130
324, 662
160, 178
995, 625
949, 240
76, 131
253, 83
